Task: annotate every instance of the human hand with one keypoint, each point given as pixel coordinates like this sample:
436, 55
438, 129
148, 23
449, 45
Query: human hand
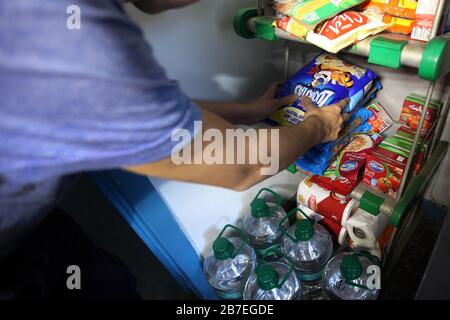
267, 104
330, 118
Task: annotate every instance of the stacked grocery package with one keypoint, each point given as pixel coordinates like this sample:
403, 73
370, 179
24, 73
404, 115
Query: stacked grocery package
334, 26
368, 151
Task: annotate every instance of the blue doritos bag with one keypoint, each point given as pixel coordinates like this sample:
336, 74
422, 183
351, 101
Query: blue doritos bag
326, 80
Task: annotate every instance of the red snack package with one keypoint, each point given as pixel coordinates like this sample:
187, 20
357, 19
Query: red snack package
352, 159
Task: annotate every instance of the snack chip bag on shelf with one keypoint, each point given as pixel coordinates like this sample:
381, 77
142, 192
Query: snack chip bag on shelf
311, 13
396, 8
292, 26
326, 80
344, 30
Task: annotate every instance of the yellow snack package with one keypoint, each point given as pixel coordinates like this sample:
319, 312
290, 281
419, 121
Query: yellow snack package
396, 8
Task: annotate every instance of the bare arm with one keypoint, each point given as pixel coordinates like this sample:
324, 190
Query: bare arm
320, 125
249, 113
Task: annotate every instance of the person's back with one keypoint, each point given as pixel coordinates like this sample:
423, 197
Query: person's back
74, 100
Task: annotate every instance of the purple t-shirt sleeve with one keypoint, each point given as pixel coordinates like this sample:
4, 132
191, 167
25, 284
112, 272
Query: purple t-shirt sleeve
87, 99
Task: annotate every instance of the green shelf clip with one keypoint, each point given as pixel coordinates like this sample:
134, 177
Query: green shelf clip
292, 169
264, 28
371, 203
386, 52
240, 22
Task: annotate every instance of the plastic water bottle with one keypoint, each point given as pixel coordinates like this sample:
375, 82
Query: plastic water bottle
309, 246
229, 265
273, 281
264, 224
346, 278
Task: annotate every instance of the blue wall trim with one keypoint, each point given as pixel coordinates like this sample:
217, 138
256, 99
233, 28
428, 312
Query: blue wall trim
140, 204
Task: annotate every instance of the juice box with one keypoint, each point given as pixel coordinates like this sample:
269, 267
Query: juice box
412, 110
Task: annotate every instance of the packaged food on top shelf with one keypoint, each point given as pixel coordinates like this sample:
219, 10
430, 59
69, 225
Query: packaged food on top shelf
395, 8
395, 24
412, 111
310, 13
335, 34
345, 29
326, 80
425, 15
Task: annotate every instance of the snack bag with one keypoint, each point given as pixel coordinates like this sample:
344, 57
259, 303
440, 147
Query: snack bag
310, 13
396, 8
292, 26
344, 30
326, 80
380, 119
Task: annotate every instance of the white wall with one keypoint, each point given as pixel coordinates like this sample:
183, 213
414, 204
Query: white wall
198, 47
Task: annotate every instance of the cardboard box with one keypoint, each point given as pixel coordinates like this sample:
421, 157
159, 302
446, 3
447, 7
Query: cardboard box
412, 111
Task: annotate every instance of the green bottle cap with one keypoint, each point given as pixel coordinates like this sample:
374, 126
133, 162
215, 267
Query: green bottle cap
304, 230
223, 248
351, 268
259, 208
267, 277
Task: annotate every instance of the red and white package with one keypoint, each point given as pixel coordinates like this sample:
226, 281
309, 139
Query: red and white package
340, 185
329, 204
344, 30
425, 16
352, 160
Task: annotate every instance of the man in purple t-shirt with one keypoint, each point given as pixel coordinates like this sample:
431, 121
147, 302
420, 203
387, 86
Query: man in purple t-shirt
95, 98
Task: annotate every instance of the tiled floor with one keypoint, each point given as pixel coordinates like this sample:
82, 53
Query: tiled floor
99, 219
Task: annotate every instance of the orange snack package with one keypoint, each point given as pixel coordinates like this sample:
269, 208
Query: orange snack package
396, 8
